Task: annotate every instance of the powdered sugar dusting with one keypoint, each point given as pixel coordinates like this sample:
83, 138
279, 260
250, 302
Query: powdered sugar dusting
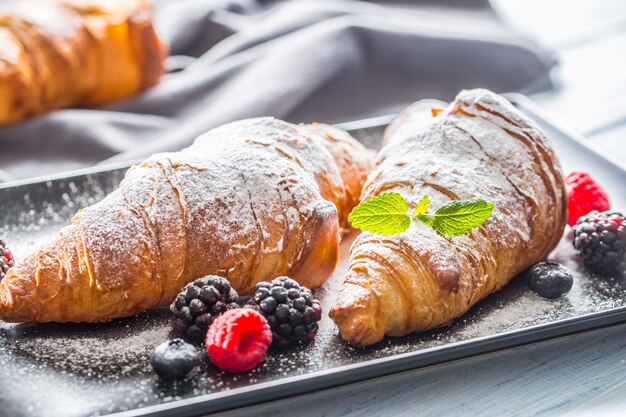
241, 189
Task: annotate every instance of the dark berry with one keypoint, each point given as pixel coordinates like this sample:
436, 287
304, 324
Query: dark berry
282, 313
261, 293
289, 308
268, 304
200, 303
238, 340
6, 259
549, 279
279, 294
174, 359
197, 307
584, 195
600, 237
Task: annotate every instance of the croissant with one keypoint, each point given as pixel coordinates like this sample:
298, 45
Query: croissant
61, 53
479, 146
250, 200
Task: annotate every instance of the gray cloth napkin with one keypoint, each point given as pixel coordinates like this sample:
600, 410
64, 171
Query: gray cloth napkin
308, 60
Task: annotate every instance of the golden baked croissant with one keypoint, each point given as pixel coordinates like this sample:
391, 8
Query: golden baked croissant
480, 146
250, 200
60, 53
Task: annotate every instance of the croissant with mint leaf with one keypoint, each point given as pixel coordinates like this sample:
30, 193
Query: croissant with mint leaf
249, 201
463, 198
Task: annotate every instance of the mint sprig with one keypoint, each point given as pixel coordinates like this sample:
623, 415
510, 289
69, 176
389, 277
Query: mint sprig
387, 214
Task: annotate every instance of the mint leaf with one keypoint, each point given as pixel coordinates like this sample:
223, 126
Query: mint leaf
385, 214
426, 218
458, 217
422, 206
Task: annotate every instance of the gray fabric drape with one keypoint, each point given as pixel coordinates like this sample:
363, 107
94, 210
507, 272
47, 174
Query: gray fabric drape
308, 60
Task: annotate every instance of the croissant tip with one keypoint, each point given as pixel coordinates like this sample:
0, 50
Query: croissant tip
356, 326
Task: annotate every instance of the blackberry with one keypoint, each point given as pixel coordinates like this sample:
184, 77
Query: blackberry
200, 303
290, 310
6, 259
549, 279
174, 359
600, 237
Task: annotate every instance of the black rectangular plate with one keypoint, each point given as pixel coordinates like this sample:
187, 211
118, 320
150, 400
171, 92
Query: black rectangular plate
99, 369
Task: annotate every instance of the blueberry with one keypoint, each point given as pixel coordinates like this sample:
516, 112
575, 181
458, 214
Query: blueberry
174, 359
549, 279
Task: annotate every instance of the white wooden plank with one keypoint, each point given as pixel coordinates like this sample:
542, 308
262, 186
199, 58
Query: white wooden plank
607, 404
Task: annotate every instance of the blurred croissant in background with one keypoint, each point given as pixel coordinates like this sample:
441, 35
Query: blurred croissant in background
63, 53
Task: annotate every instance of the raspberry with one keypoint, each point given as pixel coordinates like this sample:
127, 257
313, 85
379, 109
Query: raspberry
601, 240
199, 303
238, 340
584, 195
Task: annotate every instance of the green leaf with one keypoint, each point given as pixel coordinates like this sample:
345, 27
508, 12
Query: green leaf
385, 214
426, 218
422, 206
459, 217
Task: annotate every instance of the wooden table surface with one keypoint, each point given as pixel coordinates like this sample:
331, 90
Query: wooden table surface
582, 374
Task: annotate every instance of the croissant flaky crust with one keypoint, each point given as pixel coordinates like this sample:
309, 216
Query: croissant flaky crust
61, 53
250, 200
480, 146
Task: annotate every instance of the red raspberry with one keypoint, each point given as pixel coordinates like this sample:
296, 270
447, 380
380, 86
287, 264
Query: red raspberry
238, 340
584, 195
